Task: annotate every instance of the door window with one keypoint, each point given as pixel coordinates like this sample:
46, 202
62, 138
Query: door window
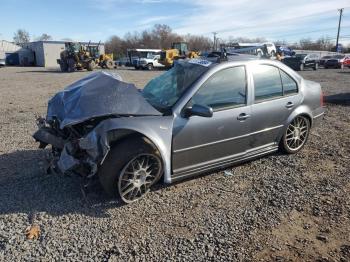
289, 85
267, 82
226, 88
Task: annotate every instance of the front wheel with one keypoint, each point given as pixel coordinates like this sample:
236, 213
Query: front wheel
71, 65
130, 169
301, 67
63, 66
149, 67
316, 66
296, 135
109, 64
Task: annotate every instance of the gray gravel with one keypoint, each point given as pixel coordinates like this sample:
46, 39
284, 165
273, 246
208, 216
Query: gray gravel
280, 207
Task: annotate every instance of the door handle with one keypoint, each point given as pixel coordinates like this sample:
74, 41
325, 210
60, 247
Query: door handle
289, 105
242, 117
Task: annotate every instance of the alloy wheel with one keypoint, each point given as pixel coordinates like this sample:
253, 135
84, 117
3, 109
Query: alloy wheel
138, 175
297, 133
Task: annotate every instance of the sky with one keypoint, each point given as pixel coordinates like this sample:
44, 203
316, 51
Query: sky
95, 20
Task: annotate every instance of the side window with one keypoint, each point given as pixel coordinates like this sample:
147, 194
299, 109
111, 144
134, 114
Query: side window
267, 82
225, 88
289, 85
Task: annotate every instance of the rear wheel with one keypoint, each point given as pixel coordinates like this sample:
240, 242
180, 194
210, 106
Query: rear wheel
316, 66
130, 169
295, 135
301, 67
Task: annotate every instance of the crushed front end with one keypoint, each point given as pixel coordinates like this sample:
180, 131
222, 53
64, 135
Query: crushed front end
74, 115
66, 155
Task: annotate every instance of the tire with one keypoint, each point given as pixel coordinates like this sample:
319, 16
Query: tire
326, 67
112, 174
301, 67
294, 137
316, 66
63, 66
137, 67
109, 64
71, 65
90, 66
149, 67
341, 66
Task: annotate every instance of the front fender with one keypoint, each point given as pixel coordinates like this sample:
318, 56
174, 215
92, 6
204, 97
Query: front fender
158, 129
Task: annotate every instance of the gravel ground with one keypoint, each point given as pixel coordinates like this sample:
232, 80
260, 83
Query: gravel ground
279, 208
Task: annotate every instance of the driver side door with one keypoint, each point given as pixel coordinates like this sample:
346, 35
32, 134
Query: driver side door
201, 143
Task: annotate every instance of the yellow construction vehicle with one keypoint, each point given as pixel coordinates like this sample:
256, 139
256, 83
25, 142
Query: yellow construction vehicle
75, 57
102, 60
179, 50
78, 57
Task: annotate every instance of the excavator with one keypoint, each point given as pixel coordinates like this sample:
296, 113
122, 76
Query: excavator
179, 50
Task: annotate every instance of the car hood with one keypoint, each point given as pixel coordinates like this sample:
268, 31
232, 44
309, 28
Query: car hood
96, 95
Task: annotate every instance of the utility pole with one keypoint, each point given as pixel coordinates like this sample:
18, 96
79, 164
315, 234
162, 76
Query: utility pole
214, 45
340, 15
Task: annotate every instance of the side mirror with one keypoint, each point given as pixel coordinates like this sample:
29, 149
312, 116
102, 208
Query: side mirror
199, 110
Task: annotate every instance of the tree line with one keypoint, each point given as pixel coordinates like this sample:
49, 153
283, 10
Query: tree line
161, 36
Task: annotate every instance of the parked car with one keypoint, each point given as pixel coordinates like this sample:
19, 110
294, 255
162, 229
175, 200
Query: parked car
346, 61
335, 62
197, 117
324, 59
149, 63
285, 50
301, 61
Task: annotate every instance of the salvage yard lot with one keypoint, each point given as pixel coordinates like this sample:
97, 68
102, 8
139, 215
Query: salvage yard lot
280, 207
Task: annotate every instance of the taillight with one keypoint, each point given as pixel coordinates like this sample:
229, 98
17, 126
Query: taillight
322, 99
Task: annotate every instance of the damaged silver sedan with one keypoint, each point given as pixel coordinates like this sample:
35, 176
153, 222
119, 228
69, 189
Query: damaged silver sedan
197, 117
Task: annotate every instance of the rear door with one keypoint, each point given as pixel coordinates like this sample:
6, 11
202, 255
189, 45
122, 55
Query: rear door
275, 96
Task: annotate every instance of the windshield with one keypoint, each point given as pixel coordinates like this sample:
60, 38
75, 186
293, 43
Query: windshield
163, 91
300, 55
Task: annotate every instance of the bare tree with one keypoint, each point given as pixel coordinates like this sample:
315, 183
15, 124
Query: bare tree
21, 37
44, 37
115, 45
198, 43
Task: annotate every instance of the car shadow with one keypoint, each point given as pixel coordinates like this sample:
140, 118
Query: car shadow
338, 99
26, 188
